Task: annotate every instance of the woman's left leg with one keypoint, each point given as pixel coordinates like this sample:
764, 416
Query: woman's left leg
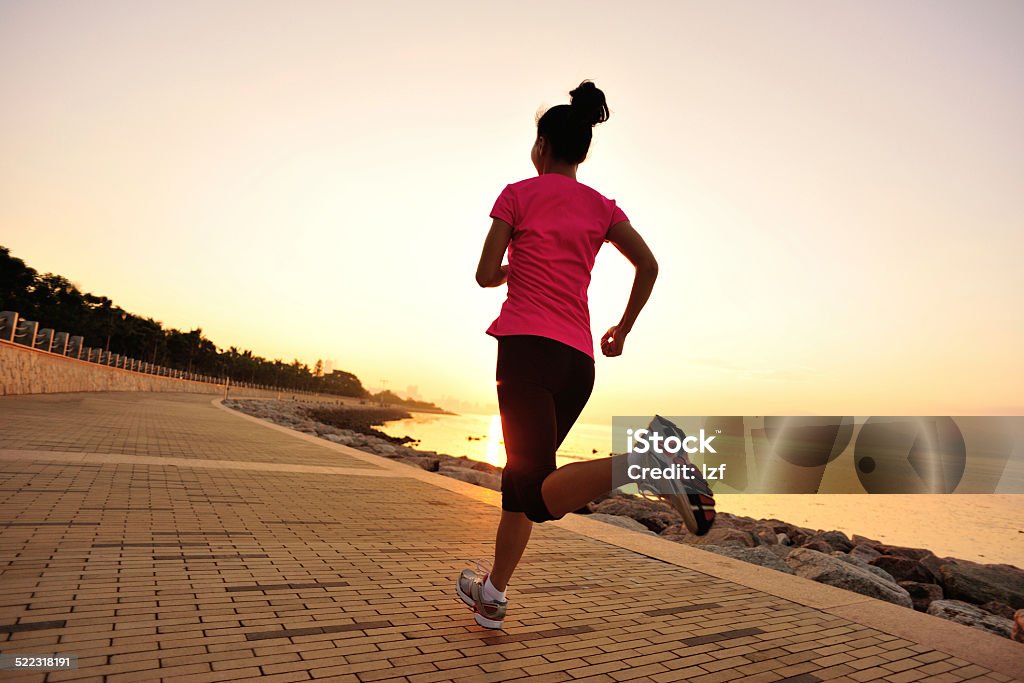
543, 386
529, 428
513, 535
525, 378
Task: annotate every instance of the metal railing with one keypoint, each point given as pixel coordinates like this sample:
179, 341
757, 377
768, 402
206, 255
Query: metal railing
14, 328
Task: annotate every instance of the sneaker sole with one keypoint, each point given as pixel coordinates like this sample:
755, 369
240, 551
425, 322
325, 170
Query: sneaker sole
681, 504
487, 623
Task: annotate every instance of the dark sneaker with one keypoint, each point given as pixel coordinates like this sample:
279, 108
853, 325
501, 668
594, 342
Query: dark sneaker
692, 498
470, 589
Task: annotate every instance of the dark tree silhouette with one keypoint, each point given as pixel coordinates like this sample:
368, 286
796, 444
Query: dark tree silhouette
55, 302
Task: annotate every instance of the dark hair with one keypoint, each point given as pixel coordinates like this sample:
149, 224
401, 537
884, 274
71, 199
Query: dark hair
567, 127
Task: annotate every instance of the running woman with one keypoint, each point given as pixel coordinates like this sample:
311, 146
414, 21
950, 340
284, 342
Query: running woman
553, 226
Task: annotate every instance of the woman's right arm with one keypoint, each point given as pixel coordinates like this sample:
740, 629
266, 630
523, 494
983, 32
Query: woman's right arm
628, 241
489, 271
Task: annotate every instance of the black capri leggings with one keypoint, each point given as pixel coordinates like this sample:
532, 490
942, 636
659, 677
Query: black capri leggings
543, 385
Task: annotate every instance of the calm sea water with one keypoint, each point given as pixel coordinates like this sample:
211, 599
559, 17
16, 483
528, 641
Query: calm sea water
983, 528
479, 437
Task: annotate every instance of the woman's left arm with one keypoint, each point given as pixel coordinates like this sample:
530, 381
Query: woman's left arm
490, 272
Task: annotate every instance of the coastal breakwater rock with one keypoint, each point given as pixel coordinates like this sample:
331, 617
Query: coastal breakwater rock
982, 583
761, 556
923, 594
622, 522
855, 563
471, 475
817, 566
650, 514
970, 615
864, 552
861, 564
904, 568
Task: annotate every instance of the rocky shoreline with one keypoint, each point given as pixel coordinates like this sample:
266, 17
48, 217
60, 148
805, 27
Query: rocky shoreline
989, 597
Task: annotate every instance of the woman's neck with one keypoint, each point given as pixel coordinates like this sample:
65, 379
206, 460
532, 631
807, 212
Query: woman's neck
561, 169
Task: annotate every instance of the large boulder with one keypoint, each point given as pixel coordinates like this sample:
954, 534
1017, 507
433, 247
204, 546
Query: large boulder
324, 430
904, 568
981, 583
811, 564
857, 562
678, 533
934, 565
923, 594
780, 551
857, 539
467, 474
621, 521
481, 466
764, 535
653, 515
658, 521
429, 464
999, 609
797, 535
970, 615
836, 540
818, 545
760, 556
629, 507
790, 529
384, 449
719, 536
903, 551
726, 536
1018, 626
864, 552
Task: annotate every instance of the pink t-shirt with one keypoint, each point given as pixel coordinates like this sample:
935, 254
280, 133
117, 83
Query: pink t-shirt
558, 226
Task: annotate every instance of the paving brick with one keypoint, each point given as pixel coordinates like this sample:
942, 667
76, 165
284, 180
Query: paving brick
871, 674
465, 673
906, 676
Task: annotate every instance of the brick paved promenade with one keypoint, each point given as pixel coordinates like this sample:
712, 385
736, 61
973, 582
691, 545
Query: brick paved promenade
163, 536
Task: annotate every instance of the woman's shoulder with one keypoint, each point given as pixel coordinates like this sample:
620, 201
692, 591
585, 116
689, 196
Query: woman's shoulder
548, 180
596, 193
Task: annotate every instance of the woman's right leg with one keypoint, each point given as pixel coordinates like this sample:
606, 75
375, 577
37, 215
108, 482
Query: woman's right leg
572, 486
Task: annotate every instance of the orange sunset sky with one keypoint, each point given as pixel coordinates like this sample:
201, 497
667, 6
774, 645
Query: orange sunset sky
835, 191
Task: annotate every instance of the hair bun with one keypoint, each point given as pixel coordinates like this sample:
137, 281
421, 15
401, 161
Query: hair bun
588, 104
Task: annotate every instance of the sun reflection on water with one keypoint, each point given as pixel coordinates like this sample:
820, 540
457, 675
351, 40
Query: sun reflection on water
495, 445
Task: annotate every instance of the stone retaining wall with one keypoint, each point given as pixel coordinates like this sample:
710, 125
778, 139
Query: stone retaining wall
24, 370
